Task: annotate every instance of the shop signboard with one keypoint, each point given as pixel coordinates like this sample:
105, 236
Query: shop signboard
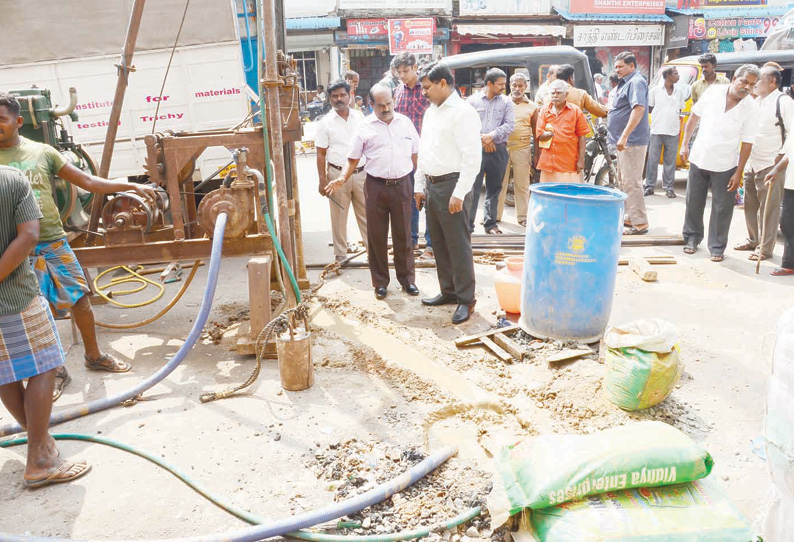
367, 27
701, 28
606, 35
411, 35
677, 35
408, 6
504, 7
618, 7
697, 4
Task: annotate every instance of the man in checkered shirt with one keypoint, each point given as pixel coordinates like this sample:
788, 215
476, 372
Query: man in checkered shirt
409, 100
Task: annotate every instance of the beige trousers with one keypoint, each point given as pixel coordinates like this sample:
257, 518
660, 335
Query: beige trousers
351, 192
520, 160
630, 164
560, 177
755, 208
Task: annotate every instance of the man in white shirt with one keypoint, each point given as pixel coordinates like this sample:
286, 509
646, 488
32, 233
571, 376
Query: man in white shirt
727, 119
333, 138
450, 153
543, 95
773, 107
786, 268
665, 102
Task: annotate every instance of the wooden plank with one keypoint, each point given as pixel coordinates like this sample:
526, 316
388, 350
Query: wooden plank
496, 349
569, 354
470, 339
259, 294
651, 241
508, 344
653, 260
642, 268
169, 251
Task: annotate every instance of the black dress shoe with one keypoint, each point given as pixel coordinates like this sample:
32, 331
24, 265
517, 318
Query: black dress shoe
671, 194
462, 313
440, 299
411, 289
648, 192
380, 292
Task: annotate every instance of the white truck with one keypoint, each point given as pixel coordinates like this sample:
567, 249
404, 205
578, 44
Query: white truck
205, 88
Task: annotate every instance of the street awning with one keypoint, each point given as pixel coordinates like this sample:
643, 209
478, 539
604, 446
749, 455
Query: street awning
494, 30
614, 18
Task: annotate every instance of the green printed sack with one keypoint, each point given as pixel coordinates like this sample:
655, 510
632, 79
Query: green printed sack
642, 363
694, 512
551, 469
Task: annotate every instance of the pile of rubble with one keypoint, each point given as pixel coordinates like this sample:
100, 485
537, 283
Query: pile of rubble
352, 467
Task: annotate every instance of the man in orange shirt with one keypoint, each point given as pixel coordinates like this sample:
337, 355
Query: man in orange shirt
561, 135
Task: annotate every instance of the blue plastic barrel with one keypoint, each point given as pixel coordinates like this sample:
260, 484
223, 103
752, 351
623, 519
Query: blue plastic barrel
570, 260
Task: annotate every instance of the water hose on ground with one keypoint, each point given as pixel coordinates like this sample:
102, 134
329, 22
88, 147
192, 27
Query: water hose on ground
173, 363
282, 527
421, 532
132, 276
165, 309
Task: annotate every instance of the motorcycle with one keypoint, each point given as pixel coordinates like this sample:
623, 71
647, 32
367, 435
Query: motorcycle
599, 158
314, 111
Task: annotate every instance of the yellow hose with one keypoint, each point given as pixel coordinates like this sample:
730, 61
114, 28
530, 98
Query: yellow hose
162, 313
131, 277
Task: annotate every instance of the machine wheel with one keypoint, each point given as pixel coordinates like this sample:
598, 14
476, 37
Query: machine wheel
510, 196
603, 178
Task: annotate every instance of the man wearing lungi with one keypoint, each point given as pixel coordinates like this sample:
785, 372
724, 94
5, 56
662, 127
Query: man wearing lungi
60, 276
29, 344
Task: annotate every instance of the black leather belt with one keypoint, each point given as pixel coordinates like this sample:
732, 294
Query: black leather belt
441, 178
387, 182
357, 170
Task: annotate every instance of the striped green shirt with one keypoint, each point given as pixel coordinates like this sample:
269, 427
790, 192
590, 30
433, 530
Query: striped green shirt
17, 205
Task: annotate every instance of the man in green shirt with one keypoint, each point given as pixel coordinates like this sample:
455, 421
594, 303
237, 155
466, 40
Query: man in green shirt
29, 345
708, 67
61, 278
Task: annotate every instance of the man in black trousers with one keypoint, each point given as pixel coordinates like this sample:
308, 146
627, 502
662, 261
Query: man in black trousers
450, 152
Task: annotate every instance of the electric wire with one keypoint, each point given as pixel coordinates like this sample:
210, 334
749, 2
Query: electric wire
168, 66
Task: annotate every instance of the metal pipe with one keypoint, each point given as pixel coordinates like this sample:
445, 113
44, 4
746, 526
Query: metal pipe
115, 113
62, 111
184, 350
271, 82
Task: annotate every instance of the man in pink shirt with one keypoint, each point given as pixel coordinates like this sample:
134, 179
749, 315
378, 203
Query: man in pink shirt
390, 143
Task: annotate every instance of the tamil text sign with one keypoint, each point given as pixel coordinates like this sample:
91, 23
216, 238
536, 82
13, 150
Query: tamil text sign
620, 7
732, 27
411, 35
617, 35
